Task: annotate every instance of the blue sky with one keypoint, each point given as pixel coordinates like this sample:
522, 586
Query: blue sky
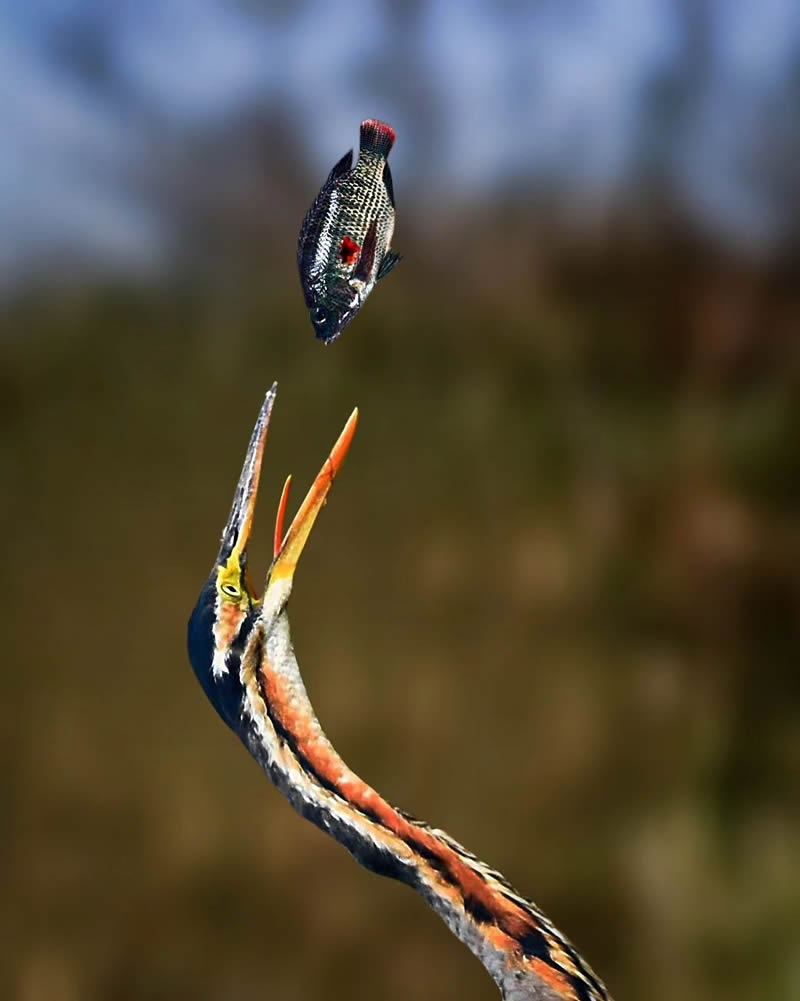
514, 90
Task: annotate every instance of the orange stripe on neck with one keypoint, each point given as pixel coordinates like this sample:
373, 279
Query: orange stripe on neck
553, 978
512, 921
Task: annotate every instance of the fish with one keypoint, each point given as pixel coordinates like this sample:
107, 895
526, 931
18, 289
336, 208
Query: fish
344, 244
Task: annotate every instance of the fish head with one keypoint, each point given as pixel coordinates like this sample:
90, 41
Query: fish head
331, 313
327, 322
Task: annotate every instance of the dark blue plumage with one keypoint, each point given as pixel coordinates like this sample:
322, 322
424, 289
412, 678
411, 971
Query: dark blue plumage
224, 692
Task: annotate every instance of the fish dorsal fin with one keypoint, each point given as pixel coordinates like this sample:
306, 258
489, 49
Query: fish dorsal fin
388, 182
366, 258
388, 262
342, 166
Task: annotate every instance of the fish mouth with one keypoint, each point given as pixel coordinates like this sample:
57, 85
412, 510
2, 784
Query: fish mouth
331, 333
335, 311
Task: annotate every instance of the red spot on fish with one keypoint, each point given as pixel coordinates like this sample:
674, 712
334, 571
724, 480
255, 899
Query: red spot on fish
349, 250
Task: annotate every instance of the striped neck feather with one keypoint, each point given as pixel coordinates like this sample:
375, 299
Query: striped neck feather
526, 955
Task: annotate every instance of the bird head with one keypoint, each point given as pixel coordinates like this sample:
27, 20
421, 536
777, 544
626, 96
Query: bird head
228, 608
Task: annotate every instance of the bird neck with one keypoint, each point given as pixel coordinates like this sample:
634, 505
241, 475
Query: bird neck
524, 953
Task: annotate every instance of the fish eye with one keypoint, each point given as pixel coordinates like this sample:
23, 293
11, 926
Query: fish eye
319, 314
231, 590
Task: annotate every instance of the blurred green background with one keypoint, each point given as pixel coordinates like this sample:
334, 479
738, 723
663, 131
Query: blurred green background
552, 606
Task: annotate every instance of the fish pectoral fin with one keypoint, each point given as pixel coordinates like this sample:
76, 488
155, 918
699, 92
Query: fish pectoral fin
388, 182
341, 167
366, 258
388, 262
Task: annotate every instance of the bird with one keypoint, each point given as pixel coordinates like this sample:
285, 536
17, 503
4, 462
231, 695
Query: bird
241, 651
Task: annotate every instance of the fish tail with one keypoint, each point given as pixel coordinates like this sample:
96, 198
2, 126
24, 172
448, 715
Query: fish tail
376, 137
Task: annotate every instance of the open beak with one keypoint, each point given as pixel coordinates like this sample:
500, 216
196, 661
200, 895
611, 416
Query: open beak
236, 533
288, 547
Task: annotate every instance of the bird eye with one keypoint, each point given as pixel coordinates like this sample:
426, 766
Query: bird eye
319, 314
231, 590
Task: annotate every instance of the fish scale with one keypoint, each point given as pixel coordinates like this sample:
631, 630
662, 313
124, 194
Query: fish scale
343, 248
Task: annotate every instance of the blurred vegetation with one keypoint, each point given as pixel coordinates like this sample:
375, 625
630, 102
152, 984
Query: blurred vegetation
553, 606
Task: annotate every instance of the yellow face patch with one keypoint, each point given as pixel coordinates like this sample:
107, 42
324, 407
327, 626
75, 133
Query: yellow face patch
233, 606
229, 582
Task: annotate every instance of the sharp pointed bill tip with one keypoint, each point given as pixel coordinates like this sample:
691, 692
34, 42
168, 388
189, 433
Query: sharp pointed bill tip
236, 533
278, 536
291, 548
